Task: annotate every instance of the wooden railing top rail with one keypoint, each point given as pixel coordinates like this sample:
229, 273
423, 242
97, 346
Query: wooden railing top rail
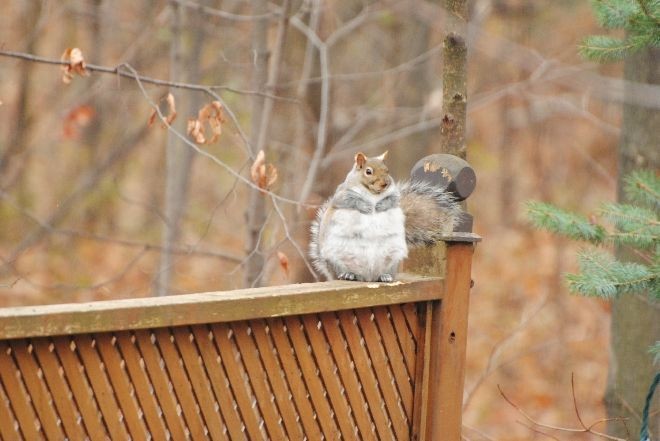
212, 307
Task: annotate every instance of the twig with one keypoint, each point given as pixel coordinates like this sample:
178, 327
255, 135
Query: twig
224, 255
204, 152
548, 426
188, 251
499, 347
535, 430
83, 187
10, 285
575, 405
385, 139
478, 432
274, 197
273, 75
223, 14
293, 242
61, 286
117, 70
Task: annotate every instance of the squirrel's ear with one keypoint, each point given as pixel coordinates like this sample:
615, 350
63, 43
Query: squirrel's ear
360, 159
383, 156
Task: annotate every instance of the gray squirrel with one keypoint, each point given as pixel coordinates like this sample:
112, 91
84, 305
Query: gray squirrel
363, 231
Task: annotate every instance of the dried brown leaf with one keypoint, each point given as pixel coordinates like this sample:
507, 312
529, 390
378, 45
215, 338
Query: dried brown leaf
171, 111
196, 130
75, 64
212, 115
263, 175
172, 106
258, 162
284, 262
271, 175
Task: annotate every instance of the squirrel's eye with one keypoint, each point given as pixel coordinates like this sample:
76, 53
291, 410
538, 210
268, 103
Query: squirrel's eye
369, 171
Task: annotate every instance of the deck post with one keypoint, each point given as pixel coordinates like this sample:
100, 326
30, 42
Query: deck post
448, 345
441, 373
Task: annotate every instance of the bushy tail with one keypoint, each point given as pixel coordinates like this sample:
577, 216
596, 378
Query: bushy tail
314, 252
430, 212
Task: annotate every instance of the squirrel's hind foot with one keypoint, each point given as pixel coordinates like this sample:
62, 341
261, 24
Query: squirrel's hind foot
348, 276
385, 278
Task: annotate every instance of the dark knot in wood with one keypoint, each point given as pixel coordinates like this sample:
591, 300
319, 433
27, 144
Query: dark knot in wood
455, 40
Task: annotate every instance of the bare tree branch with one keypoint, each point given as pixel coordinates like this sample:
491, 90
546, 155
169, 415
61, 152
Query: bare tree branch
584, 429
214, 12
117, 70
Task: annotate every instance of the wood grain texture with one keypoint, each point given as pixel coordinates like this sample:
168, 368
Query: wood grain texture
335, 375
80, 387
348, 375
140, 381
58, 388
160, 383
121, 385
105, 397
19, 396
324, 411
336, 360
219, 382
190, 309
39, 394
181, 384
8, 430
448, 344
274, 369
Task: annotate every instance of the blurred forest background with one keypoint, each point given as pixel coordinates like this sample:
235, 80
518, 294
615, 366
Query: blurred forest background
91, 194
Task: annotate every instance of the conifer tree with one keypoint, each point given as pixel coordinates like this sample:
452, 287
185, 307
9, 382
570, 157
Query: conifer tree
639, 18
633, 231
636, 226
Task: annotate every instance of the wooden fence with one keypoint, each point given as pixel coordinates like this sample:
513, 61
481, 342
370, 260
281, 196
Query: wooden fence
333, 360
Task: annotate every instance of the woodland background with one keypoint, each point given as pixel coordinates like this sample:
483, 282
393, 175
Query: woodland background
86, 213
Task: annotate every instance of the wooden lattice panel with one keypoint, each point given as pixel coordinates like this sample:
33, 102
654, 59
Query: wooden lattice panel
337, 375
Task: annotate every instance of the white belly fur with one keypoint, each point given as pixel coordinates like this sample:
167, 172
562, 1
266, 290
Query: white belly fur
368, 245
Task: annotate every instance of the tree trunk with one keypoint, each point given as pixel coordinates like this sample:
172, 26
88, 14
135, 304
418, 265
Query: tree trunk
454, 79
178, 155
635, 319
17, 149
256, 214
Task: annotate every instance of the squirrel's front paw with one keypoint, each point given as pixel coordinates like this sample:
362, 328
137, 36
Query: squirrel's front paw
385, 278
348, 276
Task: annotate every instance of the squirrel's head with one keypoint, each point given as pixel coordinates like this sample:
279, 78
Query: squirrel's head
374, 174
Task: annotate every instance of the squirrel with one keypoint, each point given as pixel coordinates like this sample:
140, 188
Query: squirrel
363, 231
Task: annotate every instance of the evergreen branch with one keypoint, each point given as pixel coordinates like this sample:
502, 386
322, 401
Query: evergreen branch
635, 239
548, 217
643, 187
653, 15
614, 14
622, 215
602, 276
636, 226
603, 48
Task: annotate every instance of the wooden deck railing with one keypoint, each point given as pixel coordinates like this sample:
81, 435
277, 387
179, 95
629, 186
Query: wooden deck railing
334, 360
